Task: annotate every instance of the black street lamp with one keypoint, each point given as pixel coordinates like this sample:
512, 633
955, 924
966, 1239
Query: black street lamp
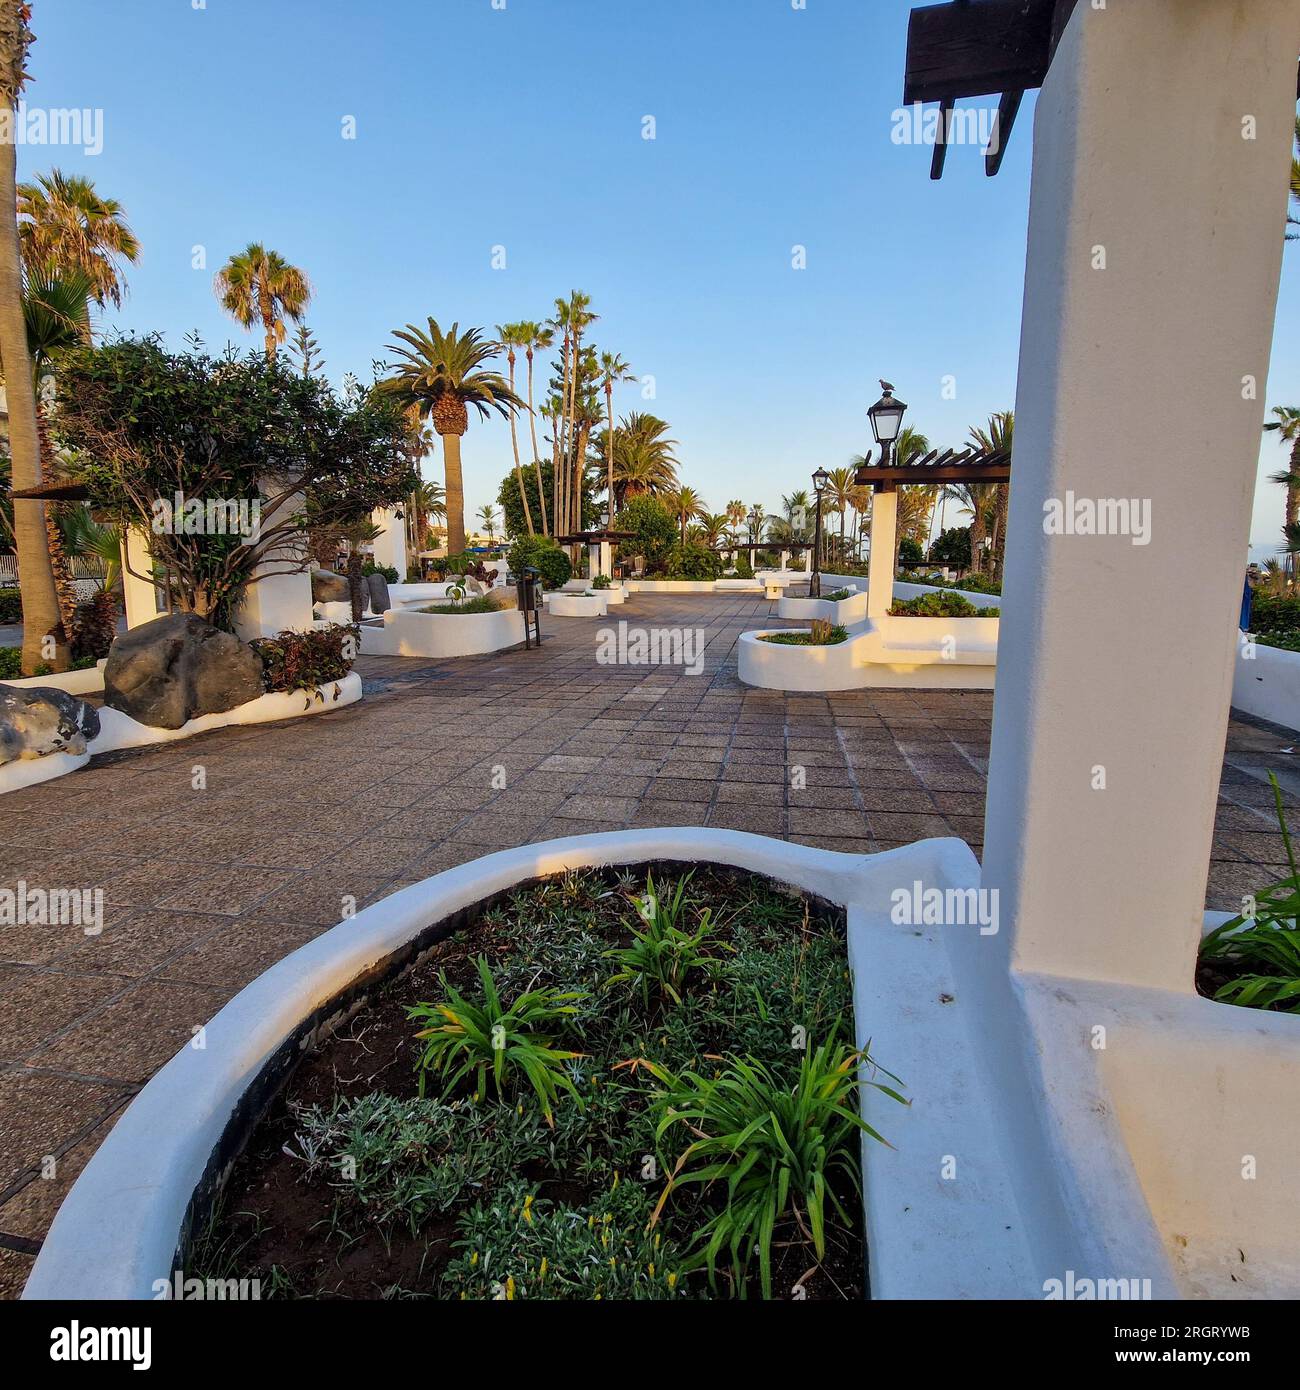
820, 479
753, 520
887, 421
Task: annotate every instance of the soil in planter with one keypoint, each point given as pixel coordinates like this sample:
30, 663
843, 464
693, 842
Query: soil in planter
356, 1186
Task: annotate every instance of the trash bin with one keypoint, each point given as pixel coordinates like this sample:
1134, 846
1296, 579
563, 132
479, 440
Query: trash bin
529, 588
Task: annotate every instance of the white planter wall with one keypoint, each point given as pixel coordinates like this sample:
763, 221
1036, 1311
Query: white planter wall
1267, 685
407, 632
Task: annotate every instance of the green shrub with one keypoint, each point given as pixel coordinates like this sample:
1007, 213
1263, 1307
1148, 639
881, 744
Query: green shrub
1273, 616
910, 552
388, 571
980, 584
601, 581
744, 570
952, 547
838, 595
465, 1039
480, 603
665, 955
692, 561
772, 1149
1286, 641
545, 556
306, 660
11, 663
940, 605
819, 638
11, 606
515, 1247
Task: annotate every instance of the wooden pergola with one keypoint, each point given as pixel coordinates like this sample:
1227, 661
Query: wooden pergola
937, 467
599, 547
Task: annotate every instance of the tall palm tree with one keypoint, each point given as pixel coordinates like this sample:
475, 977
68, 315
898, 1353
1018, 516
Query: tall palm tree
442, 375
512, 336
613, 370
488, 516
687, 504
534, 337
713, 528
40, 605
997, 436
57, 316
796, 507
64, 225
1287, 428
756, 519
839, 486
572, 318
736, 514
860, 501
259, 286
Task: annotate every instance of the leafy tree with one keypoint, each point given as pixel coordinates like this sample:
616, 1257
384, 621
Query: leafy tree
643, 458
259, 286
691, 560
544, 554
66, 227
952, 548
654, 526
514, 521
145, 424
1286, 426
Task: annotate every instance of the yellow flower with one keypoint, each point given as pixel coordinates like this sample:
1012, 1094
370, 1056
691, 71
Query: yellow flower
672, 1281
651, 1268
528, 1209
473, 1260
510, 1289
544, 1267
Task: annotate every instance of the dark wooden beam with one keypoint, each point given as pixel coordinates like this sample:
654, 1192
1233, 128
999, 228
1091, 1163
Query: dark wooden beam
1008, 110
978, 48
885, 479
941, 142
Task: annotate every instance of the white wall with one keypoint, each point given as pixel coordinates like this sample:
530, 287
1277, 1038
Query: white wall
1267, 684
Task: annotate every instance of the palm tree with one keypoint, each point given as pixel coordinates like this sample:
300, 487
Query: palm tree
40, 605
534, 337
512, 336
796, 507
572, 318
260, 286
736, 514
860, 501
613, 369
64, 225
1287, 428
57, 316
996, 438
839, 485
756, 518
713, 528
687, 504
643, 458
1291, 218
441, 374
488, 516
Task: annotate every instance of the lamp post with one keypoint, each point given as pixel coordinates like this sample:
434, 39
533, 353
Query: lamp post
753, 518
886, 418
820, 479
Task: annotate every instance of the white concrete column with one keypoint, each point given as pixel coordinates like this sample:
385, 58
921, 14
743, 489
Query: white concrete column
880, 564
389, 548
281, 600
807, 562
140, 596
606, 559
1155, 240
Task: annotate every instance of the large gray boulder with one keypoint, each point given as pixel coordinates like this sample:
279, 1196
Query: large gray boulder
38, 719
379, 599
174, 669
328, 587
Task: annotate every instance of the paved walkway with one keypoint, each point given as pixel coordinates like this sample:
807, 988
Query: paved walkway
204, 888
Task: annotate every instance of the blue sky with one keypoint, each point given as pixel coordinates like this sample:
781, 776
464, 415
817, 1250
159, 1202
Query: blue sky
479, 127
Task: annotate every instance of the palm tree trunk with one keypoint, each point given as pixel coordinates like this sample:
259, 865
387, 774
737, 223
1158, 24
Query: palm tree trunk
65, 589
40, 605
1293, 500
537, 462
1000, 530
609, 451
455, 494
514, 444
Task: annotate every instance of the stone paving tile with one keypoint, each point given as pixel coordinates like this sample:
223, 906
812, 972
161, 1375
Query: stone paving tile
206, 888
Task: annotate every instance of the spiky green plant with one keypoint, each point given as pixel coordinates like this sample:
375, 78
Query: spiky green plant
480, 1039
665, 955
771, 1148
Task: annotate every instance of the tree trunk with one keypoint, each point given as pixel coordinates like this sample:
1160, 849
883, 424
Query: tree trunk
537, 462
514, 444
356, 584
1293, 501
1000, 530
65, 588
609, 451
40, 605
455, 494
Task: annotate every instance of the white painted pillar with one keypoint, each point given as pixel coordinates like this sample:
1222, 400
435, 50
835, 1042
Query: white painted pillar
880, 565
389, 548
140, 596
785, 560
607, 559
807, 562
1115, 659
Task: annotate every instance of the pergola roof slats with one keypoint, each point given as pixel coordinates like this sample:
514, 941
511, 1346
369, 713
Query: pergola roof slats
971, 466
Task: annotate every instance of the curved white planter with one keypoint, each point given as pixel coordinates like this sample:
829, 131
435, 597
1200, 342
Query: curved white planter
118, 730
408, 632
1105, 1162
562, 605
670, 586
87, 682
843, 613
908, 653
1267, 683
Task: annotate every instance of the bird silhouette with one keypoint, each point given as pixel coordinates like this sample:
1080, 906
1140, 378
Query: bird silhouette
886, 385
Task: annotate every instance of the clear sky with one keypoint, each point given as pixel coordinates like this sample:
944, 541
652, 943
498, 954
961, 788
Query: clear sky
519, 124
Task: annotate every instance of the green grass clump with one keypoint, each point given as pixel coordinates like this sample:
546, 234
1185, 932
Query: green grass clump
837, 635
940, 605
480, 603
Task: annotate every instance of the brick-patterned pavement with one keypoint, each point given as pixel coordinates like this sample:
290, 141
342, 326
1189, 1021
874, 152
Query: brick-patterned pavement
206, 888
